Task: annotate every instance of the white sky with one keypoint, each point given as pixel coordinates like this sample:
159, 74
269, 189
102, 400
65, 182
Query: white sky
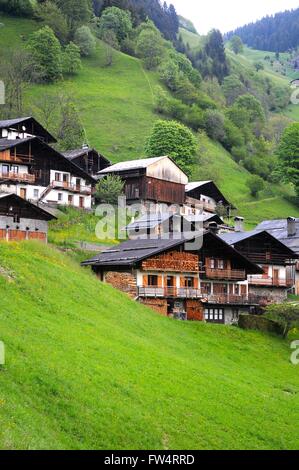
228, 14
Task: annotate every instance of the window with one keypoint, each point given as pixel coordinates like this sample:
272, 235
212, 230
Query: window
206, 288
220, 264
5, 169
189, 282
213, 264
14, 169
16, 218
60, 196
57, 177
152, 281
36, 193
237, 289
214, 315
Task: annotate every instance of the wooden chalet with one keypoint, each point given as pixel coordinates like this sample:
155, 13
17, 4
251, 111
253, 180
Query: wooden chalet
205, 196
202, 281
22, 220
32, 169
287, 232
276, 259
152, 180
88, 159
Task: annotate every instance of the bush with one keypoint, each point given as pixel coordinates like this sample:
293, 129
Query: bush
286, 315
255, 184
260, 323
214, 124
85, 40
109, 189
71, 61
170, 75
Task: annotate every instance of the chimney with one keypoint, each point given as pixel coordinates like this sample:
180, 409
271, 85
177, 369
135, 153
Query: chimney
239, 224
291, 227
213, 227
85, 147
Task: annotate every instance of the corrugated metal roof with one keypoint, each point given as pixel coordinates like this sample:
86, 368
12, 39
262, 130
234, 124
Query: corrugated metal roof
131, 165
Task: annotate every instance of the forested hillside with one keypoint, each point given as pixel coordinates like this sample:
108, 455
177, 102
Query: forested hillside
276, 33
107, 79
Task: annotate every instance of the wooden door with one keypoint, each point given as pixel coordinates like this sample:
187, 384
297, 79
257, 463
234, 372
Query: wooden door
78, 184
2, 234
16, 235
71, 200
23, 193
195, 310
81, 202
276, 277
38, 236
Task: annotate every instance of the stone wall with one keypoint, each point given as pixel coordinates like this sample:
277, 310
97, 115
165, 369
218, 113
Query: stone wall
126, 282
273, 294
159, 305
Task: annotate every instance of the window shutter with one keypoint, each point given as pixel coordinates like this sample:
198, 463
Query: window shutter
160, 281
182, 281
145, 281
196, 283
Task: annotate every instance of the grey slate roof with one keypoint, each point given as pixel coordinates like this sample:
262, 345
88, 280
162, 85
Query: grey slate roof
9, 123
131, 252
6, 144
233, 238
279, 230
149, 221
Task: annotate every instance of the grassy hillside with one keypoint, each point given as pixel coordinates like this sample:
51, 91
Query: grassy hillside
87, 368
116, 107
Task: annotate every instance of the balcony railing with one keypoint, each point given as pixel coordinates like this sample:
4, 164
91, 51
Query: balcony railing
192, 293
18, 158
203, 205
229, 299
75, 188
233, 274
23, 177
170, 292
270, 282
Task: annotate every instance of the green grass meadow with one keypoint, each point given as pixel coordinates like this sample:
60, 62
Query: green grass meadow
87, 368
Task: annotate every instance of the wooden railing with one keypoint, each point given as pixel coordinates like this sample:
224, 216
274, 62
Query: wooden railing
203, 205
233, 274
192, 293
170, 292
23, 177
270, 282
229, 299
18, 158
72, 187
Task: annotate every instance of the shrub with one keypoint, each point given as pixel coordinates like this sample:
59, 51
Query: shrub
71, 61
287, 315
85, 40
214, 124
255, 184
109, 189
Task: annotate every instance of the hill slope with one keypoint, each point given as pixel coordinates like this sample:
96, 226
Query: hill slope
116, 107
88, 368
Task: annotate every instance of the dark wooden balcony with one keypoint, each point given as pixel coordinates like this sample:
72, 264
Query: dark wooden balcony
21, 177
16, 158
226, 274
230, 299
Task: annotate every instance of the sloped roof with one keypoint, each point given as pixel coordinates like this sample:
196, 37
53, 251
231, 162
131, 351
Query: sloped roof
131, 165
149, 221
210, 189
279, 230
233, 238
9, 123
6, 144
23, 202
72, 154
132, 252
196, 184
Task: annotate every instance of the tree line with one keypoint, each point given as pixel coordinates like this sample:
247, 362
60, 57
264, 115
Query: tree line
276, 33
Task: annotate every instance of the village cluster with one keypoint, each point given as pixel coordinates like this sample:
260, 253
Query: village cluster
232, 271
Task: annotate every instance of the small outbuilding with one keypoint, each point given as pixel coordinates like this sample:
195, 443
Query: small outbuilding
22, 220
